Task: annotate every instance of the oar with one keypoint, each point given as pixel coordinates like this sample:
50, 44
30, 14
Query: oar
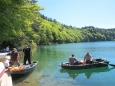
108, 64
112, 65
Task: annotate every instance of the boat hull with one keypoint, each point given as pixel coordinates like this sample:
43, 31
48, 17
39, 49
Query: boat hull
27, 70
103, 63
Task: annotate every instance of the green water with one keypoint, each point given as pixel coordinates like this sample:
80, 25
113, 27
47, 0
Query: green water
49, 73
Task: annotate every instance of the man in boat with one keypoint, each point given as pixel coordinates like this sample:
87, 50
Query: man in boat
88, 58
27, 53
14, 57
73, 60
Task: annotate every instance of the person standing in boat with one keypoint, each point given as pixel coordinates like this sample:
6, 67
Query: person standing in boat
27, 54
14, 57
88, 58
73, 60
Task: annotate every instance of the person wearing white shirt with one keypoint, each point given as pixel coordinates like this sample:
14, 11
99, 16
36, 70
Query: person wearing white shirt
7, 49
87, 58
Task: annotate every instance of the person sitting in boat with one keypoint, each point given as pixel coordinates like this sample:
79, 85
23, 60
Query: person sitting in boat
88, 58
73, 60
14, 57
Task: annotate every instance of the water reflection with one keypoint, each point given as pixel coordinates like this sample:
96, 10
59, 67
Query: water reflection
17, 78
88, 72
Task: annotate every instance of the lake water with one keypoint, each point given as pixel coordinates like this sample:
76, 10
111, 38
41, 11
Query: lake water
49, 73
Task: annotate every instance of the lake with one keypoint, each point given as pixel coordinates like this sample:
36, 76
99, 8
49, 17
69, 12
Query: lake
49, 73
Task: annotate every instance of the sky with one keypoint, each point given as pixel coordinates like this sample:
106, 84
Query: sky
80, 13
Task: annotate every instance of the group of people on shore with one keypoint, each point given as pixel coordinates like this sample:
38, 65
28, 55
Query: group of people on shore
74, 61
15, 56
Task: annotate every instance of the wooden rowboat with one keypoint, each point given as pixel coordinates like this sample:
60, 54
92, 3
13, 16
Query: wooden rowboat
95, 63
28, 69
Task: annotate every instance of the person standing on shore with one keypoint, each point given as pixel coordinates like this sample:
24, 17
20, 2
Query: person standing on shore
27, 54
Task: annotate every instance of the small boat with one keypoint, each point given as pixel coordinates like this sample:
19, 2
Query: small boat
23, 69
95, 63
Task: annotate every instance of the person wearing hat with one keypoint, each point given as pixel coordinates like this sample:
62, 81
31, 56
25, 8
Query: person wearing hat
14, 57
87, 58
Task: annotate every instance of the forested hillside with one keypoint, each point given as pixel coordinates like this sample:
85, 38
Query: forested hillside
21, 23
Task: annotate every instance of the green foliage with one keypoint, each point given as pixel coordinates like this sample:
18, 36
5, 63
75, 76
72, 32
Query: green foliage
21, 23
